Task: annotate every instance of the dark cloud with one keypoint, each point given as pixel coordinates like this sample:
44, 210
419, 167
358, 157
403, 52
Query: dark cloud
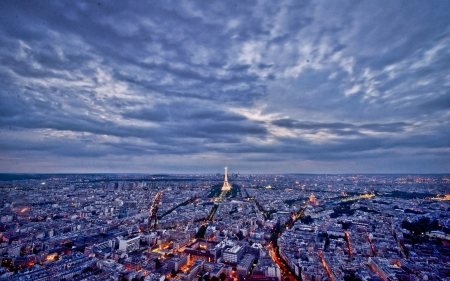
156, 115
263, 65
440, 103
217, 116
388, 128
233, 128
342, 127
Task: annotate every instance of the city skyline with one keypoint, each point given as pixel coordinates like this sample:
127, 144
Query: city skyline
261, 227
189, 87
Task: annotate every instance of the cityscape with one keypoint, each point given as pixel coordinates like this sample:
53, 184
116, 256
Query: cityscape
224, 227
256, 140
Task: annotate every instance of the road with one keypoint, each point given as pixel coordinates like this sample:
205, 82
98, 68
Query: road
153, 215
286, 272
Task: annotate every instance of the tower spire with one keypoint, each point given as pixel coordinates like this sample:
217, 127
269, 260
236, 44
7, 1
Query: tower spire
226, 186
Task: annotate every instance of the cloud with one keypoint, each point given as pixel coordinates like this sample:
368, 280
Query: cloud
216, 115
307, 125
157, 114
252, 82
440, 103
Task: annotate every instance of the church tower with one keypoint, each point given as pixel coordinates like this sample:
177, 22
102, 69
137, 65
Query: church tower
226, 186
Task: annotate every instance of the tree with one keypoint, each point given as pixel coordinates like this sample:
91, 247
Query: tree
306, 220
346, 225
158, 263
173, 273
327, 241
214, 278
206, 278
223, 276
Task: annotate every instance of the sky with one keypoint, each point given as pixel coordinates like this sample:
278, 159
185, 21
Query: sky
193, 86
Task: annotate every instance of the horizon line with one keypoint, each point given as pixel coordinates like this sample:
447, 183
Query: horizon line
211, 173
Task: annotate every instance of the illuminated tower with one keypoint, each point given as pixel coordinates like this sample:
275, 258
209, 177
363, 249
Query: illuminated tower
226, 186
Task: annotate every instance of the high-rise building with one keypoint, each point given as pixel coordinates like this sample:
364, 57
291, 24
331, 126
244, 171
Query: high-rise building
226, 186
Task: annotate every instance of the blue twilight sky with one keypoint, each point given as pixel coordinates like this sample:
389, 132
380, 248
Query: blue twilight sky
192, 86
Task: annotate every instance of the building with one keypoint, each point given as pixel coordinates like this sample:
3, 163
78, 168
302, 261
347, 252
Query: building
201, 250
266, 268
214, 269
126, 212
177, 262
191, 274
243, 267
313, 200
383, 268
129, 244
233, 254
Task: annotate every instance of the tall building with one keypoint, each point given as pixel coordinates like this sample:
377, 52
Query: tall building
226, 186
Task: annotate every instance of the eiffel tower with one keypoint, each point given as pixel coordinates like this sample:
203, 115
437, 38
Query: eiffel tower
226, 186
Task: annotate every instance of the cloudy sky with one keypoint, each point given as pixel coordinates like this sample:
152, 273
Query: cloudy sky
192, 86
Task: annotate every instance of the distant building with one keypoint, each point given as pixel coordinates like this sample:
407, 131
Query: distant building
313, 200
126, 212
384, 269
